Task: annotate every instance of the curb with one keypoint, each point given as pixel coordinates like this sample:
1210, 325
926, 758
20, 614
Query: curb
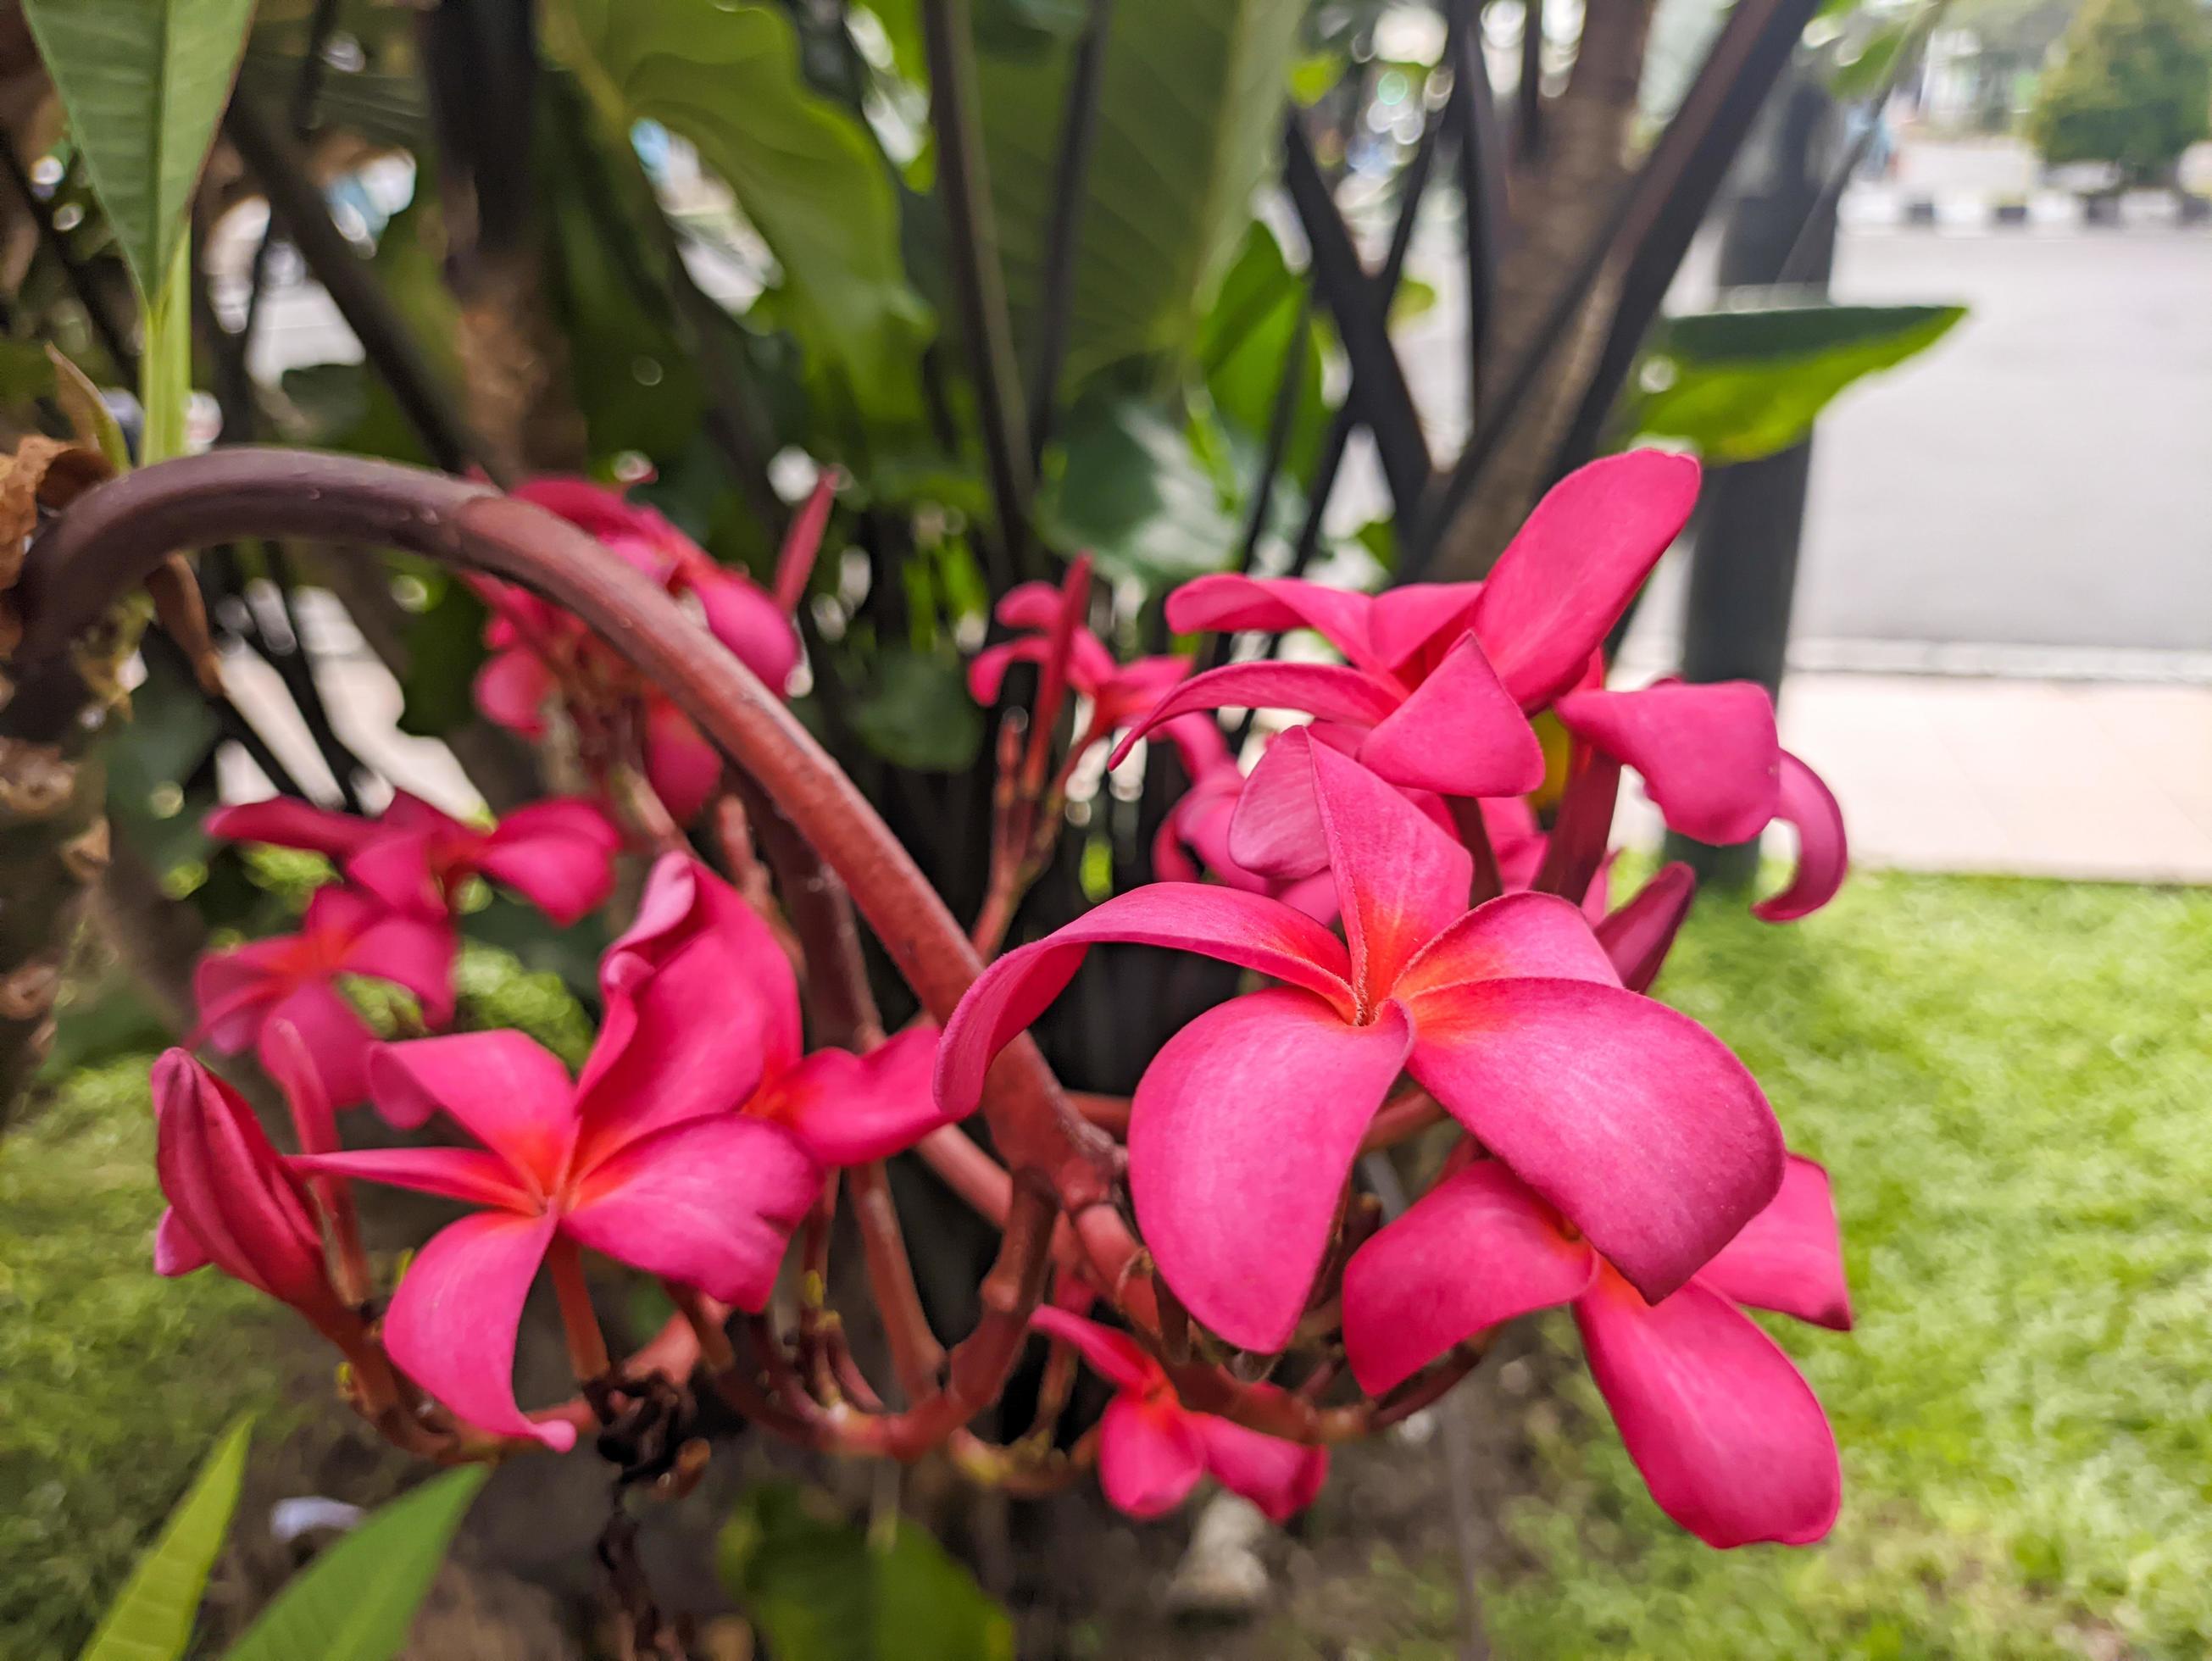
1880, 206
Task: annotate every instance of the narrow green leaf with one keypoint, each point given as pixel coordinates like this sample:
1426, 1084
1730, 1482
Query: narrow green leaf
92, 421
144, 83
356, 1601
725, 76
1745, 382
151, 1619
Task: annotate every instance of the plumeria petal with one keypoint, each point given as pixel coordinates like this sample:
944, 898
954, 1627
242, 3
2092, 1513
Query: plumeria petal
333, 1033
683, 768
1228, 602
1790, 1256
1729, 1437
847, 1109
557, 854
412, 952
1573, 569
453, 1173
1459, 733
988, 671
177, 1250
504, 1088
1632, 1119
1476, 1250
1242, 1132
1114, 1356
512, 689
1823, 854
708, 1203
1708, 753
1637, 936
1412, 620
1282, 1478
395, 867
1514, 937
453, 1321
1150, 1457
1326, 689
1246, 930
744, 617
286, 822
233, 990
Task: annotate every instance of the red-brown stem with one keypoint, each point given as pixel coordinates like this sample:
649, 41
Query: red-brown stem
1052, 678
1467, 817
839, 1002
580, 1322
917, 1356
814, 1279
1110, 1113
672, 1353
1407, 1113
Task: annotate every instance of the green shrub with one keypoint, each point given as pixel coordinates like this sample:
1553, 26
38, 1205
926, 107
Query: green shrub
2134, 89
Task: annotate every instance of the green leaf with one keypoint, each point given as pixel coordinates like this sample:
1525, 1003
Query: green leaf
1133, 490
1244, 345
90, 419
152, 1618
819, 1589
144, 83
916, 713
725, 76
1189, 102
356, 1601
1745, 382
165, 367
1867, 68
444, 649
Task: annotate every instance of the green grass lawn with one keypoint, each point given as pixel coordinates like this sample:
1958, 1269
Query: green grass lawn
2011, 1083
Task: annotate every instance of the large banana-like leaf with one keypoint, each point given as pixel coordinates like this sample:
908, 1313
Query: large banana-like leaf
144, 83
1189, 104
151, 1620
725, 75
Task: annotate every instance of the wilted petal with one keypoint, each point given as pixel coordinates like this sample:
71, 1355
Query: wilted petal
504, 1088
1630, 1118
1729, 1437
1242, 1132
1325, 690
1114, 1356
1520, 936
512, 689
1476, 1250
1790, 1256
1228, 602
1149, 1456
709, 1204
1249, 930
452, 1323
847, 1110
1638, 936
1459, 733
1282, 1478
1708, 753
1573, 569
1823, 854
286, 822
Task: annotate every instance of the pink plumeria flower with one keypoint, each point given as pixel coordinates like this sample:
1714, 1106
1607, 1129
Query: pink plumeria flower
232, 1201
245, 993
1727, 1434
1117, 693
558, 854
1632, 1119
540, 653
1153, 1449
844, 1108
1438, 675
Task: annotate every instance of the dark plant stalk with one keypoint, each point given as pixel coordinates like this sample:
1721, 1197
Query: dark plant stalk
1482, 182
1529, 99
306, 94
1384, 401
113, 336
1071, 172
978, 283
295, 201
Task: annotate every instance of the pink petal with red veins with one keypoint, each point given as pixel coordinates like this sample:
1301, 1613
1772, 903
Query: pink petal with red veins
1227, 602
708, 1203
1573, 568
1413, 616
396, 868
504, 1089
1326, 689
512, 689
1638, 936
1459, 733
454, 1173
452, 1323
1790, 1256
1249, 930
847, 1110
742, 616
415, 953
1708, 753
560, 863
683, 768
1823, 853
1149, 1456
336, 1038
1514, 937
1729, 1437
1242, 1132
1477, 1250
1400, 880
1282, 1478
1632, 1119
283, 822
1114, 1356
